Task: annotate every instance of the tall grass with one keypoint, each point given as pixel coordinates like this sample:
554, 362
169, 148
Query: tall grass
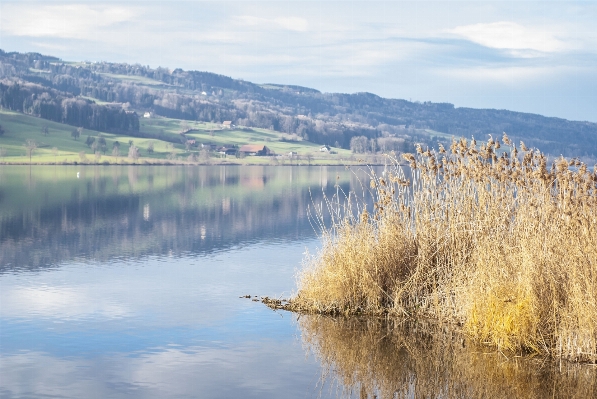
495, 241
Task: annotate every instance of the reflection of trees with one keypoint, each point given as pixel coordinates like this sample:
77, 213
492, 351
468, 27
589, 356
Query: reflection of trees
65, 232
103, 215
385, 359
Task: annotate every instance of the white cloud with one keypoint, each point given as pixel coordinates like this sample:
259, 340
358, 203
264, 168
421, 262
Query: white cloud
50, 46
292, 23
219, 37
509, 74
295, 24
61, 21
510, 36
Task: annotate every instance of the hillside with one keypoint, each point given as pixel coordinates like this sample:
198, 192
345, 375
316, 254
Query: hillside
113, 98
54, 143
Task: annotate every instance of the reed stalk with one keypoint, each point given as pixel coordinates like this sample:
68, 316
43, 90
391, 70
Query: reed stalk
491, 240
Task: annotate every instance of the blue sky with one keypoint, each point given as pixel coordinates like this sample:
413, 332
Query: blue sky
538, 57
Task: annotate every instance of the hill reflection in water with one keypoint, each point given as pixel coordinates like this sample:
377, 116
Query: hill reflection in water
49, 215
370, 358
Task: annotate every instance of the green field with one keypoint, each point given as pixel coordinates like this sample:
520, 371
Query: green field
135, 79
60, 147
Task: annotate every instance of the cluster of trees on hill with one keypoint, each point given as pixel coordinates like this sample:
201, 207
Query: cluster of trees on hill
51, 104
324, 118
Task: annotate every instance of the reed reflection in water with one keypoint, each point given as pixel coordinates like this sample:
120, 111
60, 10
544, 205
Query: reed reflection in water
372, 358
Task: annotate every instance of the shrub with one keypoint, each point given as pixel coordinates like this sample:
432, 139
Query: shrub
488, 239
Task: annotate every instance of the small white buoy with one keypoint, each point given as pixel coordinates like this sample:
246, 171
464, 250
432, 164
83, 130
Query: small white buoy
77, 175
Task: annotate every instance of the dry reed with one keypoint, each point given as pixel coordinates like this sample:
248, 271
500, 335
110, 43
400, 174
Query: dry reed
379, 358
491, 240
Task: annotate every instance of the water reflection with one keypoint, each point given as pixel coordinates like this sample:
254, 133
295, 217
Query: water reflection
125, 282
378, 358
155, 327
252, 370
50, 215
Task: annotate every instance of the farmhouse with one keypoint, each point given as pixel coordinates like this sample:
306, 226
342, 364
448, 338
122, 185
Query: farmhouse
227, 150
227, 124
325, 148
254, 149
209, 147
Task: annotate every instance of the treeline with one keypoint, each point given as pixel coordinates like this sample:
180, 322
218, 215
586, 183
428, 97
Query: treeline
324, 118
50, 104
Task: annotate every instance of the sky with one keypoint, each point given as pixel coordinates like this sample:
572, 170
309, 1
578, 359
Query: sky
538, 57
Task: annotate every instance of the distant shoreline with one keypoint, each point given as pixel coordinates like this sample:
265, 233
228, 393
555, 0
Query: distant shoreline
178, 164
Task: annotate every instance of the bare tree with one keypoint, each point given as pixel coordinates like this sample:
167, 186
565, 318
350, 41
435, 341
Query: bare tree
30, 147
204, 156
373, 145
359, 144
98, 156
101, 141
83, 157
45, 130
150, 147
116, 151
288, 124
90, 140
75, 134
134, 153
184, 127
309, 158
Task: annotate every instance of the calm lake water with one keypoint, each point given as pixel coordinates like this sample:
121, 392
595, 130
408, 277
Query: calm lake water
125, 282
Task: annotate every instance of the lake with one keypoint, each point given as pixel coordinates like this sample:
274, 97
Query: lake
126, 281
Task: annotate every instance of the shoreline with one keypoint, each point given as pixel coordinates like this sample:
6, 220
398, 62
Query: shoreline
170, 163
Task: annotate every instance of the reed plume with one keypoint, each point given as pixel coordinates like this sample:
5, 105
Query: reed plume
486, 236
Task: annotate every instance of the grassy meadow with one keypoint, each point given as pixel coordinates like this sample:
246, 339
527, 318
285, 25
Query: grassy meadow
495, 241
58, 146
135, 79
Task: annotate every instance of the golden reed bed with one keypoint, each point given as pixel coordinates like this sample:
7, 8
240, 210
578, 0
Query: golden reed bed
495, 241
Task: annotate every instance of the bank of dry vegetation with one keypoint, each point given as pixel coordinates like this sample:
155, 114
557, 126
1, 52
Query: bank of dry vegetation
496, 241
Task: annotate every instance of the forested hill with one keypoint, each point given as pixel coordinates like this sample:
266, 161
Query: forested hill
112, 97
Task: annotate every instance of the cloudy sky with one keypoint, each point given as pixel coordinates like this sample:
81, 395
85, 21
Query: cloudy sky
538, 57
